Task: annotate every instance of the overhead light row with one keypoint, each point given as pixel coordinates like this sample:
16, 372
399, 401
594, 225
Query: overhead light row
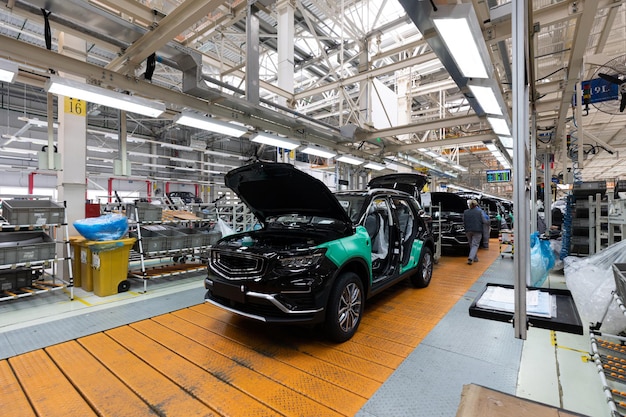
498, 155
94, 94
210, 124
461, 34
8, 71
442, 158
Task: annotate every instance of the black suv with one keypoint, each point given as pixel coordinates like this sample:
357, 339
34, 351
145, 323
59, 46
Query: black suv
319, 255
492, 206
447, 219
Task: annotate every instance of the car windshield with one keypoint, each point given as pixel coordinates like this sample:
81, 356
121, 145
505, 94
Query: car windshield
352, 204
299, 220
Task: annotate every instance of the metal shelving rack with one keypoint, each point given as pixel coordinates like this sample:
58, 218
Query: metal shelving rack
608, 351
45, 269
175, 255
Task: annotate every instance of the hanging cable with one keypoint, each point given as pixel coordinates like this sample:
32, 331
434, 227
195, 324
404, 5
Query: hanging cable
150, 65
47, 30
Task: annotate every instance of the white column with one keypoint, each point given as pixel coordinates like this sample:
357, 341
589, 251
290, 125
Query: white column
366, 85
404, 99
72, 140
286, 33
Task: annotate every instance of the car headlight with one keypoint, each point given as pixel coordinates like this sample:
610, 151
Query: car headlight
301, 261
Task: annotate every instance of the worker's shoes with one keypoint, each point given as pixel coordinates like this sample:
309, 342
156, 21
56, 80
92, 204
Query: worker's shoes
469, 261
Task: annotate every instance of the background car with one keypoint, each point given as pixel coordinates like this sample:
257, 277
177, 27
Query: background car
187, 196
318, 256
446, 211
492, 206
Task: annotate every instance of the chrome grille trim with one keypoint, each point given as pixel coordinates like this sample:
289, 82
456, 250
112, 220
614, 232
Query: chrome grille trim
235, 266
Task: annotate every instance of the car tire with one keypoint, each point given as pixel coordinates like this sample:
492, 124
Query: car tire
421, 278
345, 307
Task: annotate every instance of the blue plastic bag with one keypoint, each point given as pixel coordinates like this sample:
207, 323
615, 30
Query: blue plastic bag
541, 260
107, 227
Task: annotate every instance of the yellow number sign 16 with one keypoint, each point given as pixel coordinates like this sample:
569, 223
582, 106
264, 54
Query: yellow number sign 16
75, 106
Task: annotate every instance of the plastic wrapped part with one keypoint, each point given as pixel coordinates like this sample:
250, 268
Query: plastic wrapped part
556, 245
223, 228
110, 226
541, 260
591, 283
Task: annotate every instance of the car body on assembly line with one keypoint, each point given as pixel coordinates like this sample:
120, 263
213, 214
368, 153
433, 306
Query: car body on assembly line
318, 256
447, 219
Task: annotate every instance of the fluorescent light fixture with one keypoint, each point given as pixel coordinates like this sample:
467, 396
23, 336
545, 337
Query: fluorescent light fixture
8, 71
428, 67
492, 147
101, 150
12, 138
144, 155
374, 166
487, 99
93, 94
435, 87
274, 140
210, 124
348, 159
506, 141
99, 166
499, 126
173, 158
37, 122
317, 151
20, 151
220, 165
461, 42
177, 147
459, 167
146, 164
225, 154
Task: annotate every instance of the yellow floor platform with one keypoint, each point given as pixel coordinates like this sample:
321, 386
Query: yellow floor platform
205, 361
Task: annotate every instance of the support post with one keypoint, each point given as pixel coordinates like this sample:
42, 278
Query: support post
520, 194
252, 54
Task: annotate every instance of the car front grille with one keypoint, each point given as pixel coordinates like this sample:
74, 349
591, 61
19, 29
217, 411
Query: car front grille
235, 266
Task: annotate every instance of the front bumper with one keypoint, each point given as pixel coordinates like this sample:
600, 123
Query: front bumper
267, 306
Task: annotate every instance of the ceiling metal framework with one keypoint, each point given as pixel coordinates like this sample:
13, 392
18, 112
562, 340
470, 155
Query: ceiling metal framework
347, 55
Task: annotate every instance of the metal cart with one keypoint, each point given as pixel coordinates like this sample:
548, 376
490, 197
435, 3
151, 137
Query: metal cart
506, 242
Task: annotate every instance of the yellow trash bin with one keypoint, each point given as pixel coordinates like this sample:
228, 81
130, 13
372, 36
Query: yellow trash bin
109, 265
84, 258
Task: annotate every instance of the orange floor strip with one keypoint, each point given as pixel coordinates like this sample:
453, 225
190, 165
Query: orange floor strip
209, 389
106, 394
206, 361
163, 395
234, 369
48, 390
12, 397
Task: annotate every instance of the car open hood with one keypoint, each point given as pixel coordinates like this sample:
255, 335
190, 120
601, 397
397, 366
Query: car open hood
411, 183
272, 189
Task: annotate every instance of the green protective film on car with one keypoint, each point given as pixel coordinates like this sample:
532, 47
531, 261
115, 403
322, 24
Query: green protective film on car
414, 259
358, 245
